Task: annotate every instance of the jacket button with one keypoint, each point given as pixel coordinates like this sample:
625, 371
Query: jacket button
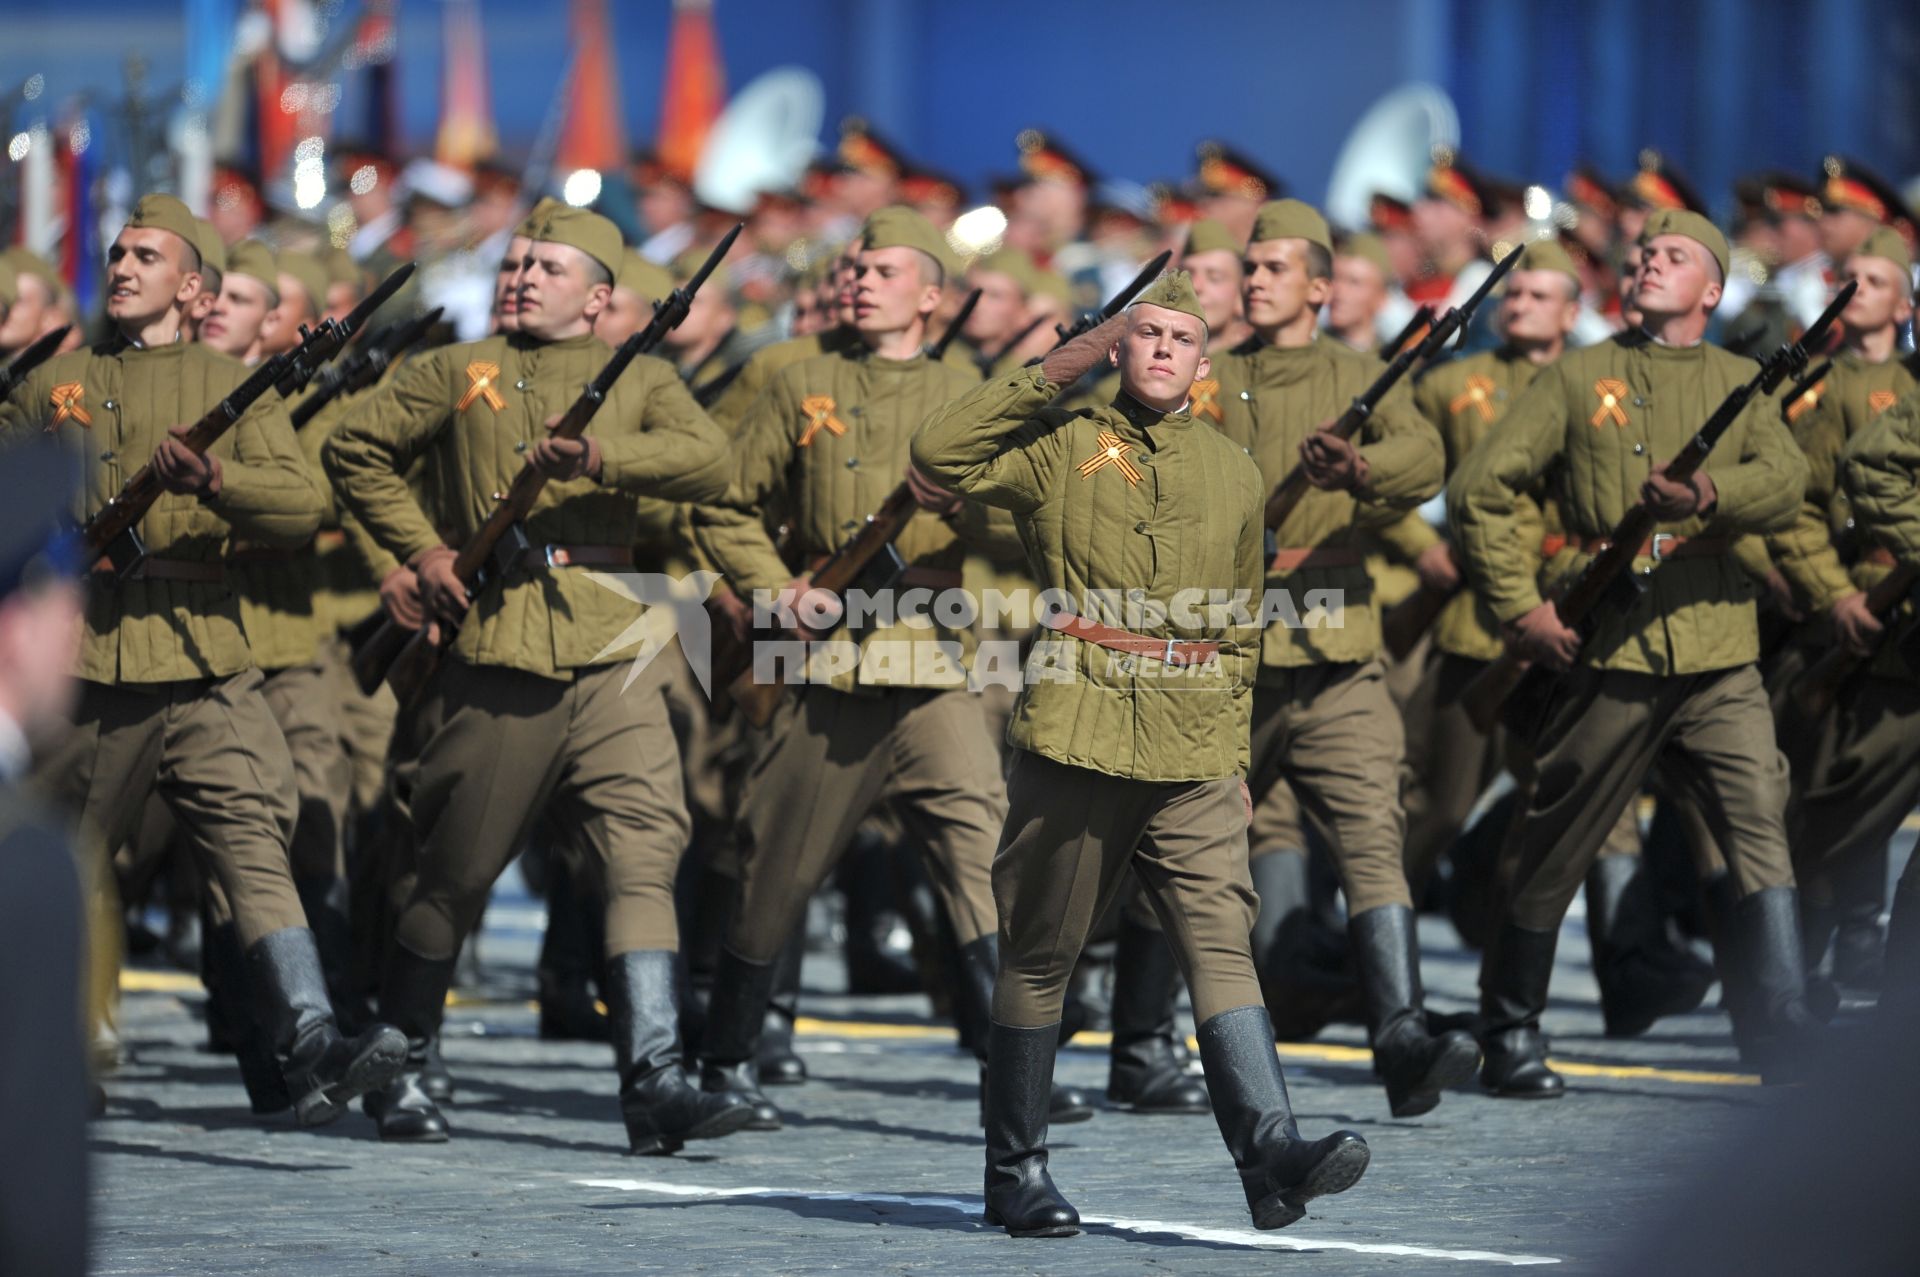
1245, 395
853, 463
106, 456
1639, 402
109, 405
520, 445
1126, 665
1137, 595
520, 384
1639, 448
1140, 526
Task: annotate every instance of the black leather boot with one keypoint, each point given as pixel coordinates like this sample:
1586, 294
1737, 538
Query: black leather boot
1768, 923
778, 1063
1306, 983
1146, 1073
413, 995
973, 1001
1642, 975
1514, 978
1280, 1171
1415, 1064
663, 1110
435, 1079
324, 901
228, 998
735, 1011
324, 1071
1020, 1194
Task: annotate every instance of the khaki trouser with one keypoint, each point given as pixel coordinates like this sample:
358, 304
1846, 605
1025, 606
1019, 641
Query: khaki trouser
1070, 838
305, 705
829, 757
500, 747
1865, 781
1450, 763
211, 749
366, 726
1335, 736
1712, 735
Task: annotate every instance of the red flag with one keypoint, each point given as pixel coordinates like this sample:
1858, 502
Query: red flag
594, 137
695, 87
467, 135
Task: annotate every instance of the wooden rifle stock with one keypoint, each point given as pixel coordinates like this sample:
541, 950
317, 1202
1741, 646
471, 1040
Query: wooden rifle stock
1818, 686
1608, 577
405, 658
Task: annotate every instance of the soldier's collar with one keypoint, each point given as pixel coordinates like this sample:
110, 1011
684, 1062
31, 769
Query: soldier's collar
1146, 419
526, 341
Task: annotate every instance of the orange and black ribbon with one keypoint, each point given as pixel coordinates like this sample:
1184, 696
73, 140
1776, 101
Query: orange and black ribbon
1880, 400
67, 404
482, 375
1113, 452
1205, 397
1478, 394
819, 410
1612, 394
1799, 407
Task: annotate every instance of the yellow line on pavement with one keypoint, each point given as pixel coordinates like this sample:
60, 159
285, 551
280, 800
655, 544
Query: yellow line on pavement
1310, 1052
137, 981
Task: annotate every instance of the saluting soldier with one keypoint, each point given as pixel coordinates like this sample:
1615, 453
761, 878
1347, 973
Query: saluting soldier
828, 441
1322, 718
1881, 470
170, 697
1675, 679
1846, 762
1136, 757
526, 710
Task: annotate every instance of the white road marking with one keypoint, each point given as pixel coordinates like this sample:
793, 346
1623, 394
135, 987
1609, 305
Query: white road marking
1193, 1232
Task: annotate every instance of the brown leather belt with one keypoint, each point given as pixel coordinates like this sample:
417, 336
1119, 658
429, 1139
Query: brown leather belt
169, 570
1880, 556
330, 539
577, 556
1319, 556
1168, 651
931, 579
1662, 546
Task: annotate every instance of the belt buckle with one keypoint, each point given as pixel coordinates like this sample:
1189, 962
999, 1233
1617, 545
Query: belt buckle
556, 556
1659, 543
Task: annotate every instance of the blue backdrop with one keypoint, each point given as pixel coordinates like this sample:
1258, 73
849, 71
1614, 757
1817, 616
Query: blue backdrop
1723, 86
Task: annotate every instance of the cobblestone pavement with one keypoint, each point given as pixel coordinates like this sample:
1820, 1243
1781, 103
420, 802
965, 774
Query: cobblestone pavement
879, 1167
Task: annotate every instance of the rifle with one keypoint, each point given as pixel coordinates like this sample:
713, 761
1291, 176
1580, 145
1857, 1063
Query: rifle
1421, 318
1805, 384
112, 530
868, 557
32, 357
1121, 300
364, 367
1818, 686
1283, 499
1608, 582
405, 658
938, 349
709, 392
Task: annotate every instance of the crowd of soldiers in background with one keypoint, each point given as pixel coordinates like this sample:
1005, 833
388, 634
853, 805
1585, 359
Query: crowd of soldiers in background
1056, 240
